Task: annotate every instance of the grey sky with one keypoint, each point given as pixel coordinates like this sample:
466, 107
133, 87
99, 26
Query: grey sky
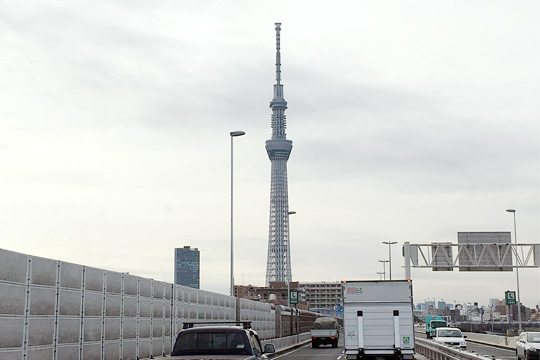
410, 121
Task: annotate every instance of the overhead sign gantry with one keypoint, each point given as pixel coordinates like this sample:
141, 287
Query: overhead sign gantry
475, 251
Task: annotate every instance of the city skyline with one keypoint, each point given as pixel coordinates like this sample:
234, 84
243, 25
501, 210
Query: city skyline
411, 122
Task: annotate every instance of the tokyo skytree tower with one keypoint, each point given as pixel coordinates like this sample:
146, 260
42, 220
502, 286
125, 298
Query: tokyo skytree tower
278, 267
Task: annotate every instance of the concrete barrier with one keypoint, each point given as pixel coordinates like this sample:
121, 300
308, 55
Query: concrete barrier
505, 342
288, 342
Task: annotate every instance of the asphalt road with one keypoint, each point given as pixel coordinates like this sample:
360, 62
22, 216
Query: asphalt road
306, 352
486, 350
490, 351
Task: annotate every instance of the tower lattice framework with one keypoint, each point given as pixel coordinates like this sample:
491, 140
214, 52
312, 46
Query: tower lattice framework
278, 267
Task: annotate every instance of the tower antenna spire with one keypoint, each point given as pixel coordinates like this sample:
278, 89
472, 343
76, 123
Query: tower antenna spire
278, 54
278, 88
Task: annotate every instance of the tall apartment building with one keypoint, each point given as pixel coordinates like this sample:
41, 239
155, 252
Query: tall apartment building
187, 267
441, 305
321, 294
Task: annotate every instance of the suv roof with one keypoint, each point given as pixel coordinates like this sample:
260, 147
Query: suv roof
244, 324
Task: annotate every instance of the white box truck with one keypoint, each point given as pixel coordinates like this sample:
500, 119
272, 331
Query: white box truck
378, 319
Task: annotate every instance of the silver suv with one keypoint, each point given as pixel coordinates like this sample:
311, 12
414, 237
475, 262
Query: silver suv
213, 340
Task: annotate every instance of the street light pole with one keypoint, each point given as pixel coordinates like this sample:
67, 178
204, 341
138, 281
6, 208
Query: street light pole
517, 271
288, 282
233, 135
390, 243
384, 267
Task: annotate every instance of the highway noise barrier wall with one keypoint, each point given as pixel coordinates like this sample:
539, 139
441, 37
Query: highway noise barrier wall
56, 310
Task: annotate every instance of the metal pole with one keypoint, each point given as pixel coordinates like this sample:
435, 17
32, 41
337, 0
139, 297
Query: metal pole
287, 278
390, 243
232, 253
384, 267
517, 276
233, 134
517, 271
288, 294
292, 319
390, 259
407, 255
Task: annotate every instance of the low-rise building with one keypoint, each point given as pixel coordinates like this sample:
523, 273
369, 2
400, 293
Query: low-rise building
276, 293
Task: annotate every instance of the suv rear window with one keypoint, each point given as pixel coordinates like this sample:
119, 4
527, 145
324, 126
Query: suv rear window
449, 333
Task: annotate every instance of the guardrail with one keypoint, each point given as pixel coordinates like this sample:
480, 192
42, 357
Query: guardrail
436, 351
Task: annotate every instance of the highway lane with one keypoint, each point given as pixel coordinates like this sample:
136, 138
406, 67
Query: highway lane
490, 351
485, 350
306, 352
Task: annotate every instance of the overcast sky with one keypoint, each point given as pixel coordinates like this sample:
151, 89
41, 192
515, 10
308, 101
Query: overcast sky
410, 121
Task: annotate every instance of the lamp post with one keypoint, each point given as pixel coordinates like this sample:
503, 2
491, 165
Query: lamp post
517, 271
380, 274
390, 243
288, 282
384, 267
233, 135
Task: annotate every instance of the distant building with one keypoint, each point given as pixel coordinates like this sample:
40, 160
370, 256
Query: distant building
317, 295
535, 314
187, 267
525, 312
276, 293
322, 294
441, 305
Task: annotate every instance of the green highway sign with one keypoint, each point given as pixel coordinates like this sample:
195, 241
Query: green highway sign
510, 297
293, 297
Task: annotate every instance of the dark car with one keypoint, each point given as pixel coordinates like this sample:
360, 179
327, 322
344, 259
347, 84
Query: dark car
219, 341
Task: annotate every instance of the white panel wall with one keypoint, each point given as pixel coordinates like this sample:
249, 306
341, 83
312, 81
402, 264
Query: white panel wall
55, 310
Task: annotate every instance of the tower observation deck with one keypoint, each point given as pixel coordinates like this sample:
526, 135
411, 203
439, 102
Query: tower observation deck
278, 267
